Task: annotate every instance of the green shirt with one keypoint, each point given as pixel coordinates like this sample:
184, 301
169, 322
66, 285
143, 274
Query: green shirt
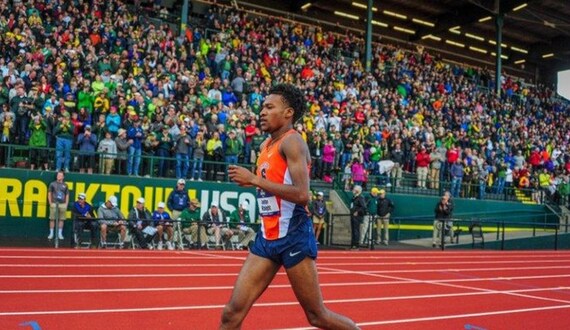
236, 218
189, 216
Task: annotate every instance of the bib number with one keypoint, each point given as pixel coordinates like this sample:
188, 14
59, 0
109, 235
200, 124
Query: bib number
267, 203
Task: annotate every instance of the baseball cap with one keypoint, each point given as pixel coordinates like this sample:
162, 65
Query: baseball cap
244, 205
375, 190
181, 181
320, 193
195, 202
140, 200
214, 204
161, 205
382, 191
81, 196
113, 201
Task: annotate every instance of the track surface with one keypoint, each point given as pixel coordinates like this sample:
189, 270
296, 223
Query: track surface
94, 289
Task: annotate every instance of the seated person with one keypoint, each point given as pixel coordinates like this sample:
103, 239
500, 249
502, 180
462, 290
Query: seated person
140, 223
83, 218
111, 217
216, 222
189, 222
239, 224
162, 223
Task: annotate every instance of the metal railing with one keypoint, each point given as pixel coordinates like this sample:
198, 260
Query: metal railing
421, 228
408, 184
20, 156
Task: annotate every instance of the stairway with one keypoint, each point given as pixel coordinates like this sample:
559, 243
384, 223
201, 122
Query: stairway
522, 197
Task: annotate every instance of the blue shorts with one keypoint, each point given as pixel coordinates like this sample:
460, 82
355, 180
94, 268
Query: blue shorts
291, 249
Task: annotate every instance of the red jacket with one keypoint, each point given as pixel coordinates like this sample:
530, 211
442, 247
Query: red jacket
423, 159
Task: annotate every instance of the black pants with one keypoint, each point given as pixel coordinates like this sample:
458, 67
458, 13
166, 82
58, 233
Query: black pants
79, 226
355, 230
142, 238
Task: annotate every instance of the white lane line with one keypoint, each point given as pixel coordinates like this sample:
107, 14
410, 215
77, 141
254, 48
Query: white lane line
279, 286
274, 304
213, 255
452, 316
320, 264
454, 286
276, 286
330, 272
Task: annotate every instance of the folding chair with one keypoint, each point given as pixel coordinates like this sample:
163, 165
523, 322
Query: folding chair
477, 234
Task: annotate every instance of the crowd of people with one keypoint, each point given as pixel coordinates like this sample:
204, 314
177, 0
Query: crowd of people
101, 86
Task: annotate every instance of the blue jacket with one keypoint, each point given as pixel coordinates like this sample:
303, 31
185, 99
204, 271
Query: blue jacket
132, 134
178, 200
160, 217
78, 211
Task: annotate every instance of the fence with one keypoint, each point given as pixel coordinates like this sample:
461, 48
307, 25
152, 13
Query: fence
19, 156
505, 233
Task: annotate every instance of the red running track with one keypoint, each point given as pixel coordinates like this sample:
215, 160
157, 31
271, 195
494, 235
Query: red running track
122, 289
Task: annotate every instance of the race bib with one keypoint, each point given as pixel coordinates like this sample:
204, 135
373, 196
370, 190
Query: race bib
181, 202
267, 203
60, 196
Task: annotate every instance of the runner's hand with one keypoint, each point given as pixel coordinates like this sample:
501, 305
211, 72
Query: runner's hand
241, 175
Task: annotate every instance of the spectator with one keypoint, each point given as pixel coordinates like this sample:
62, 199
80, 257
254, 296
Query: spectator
83, 218
329, 155
240, 225
199, 149
216, 223
357, 213
442, 223
87, 144
422, 163
123, 146
178, 199
456, 173
357, 172
136, 135
165, 145
163, 223
38, 143
190, 218
141, 224
215, 155
366, 233
318, 210
111, 218
58, 199
64, 140
233, 147
108, 153
384, 210
183, 148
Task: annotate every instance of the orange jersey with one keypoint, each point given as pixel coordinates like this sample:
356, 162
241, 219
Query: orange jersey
276, 213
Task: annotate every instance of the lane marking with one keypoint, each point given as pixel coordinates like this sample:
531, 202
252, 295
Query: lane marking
273, 304
276, 286
329, 272
319, 264
452, 316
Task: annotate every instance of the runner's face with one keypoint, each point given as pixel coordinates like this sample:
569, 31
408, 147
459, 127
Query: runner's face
275, 113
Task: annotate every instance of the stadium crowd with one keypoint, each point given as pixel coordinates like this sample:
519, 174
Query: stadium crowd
93, 77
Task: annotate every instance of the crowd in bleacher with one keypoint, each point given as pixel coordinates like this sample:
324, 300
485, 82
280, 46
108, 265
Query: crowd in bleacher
93, 78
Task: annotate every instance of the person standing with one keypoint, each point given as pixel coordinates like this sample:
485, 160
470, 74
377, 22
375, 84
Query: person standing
385, 209
178, 199
318, 210
372, 208
58, 198
286, 238
357, 213
443, 212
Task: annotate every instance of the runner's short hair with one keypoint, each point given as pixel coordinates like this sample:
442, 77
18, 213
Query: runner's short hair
293, 97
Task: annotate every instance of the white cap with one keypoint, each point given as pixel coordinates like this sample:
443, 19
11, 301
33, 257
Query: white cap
181, 181
161, 205
140, 200
244, 205
214, 204
113, 201
81, 196
320, 193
